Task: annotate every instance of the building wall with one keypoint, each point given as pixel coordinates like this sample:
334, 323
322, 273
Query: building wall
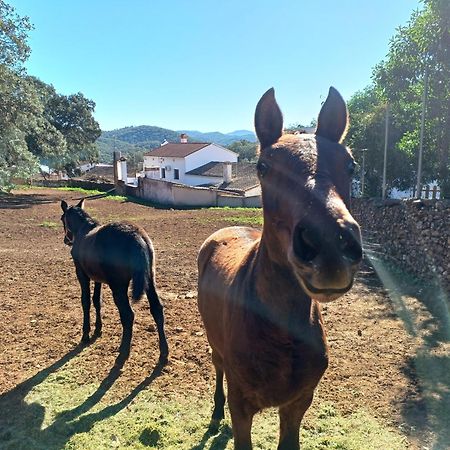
164, 193
207, 154
203, 156
187, 196
231, 201
174, 163
414, 234
197, 180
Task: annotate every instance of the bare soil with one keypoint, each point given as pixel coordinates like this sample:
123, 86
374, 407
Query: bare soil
372, 353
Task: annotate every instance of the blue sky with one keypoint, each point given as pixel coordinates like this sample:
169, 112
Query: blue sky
199, 64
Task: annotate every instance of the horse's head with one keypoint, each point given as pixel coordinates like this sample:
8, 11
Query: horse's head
70, 220
305, 182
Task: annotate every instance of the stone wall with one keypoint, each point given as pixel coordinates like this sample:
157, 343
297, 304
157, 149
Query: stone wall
74, 183
414, 233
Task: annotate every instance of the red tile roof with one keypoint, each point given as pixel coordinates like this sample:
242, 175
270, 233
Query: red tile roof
177, 150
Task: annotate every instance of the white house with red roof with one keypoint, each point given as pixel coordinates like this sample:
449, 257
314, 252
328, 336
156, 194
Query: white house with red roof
173, 161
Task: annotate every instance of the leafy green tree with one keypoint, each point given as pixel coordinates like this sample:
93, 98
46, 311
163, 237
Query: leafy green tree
15, 159
66, 132
245, 149
14, 49
16, 97
422, 45
37, 123
72, 116
367, 110
135, 160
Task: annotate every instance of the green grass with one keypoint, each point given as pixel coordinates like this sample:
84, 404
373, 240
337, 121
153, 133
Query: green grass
238, 209
87, 192
49, 224
234, 216
59, 409
244, 220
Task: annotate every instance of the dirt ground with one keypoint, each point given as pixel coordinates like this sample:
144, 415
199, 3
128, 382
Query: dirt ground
372, 352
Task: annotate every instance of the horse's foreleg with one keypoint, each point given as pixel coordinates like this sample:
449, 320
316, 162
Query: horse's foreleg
85, 302
156, 309
120, 295
96, 299
219, 396
241, 418
290, 419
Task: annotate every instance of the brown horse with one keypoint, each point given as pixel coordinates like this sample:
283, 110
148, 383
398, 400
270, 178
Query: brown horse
114, 254
258, 292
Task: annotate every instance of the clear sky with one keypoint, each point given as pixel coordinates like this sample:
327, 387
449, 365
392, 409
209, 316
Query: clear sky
203, 64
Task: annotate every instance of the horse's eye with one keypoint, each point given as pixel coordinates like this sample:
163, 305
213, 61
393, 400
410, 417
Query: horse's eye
262, 168
351, 167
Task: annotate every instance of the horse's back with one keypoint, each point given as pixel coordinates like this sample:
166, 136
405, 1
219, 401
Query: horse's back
221, 257
224, 250
113, 251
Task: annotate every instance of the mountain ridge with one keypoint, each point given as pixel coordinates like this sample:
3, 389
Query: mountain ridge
141, 138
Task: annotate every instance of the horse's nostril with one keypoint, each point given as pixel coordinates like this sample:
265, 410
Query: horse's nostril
350, 247
306, 246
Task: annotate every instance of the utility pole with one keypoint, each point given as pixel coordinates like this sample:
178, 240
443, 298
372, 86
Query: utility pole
386, 133
363, 171
422, 129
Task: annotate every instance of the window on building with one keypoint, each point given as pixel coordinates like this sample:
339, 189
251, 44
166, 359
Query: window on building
163, 172
176, 174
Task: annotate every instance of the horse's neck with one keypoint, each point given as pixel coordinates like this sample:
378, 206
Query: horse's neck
85, 225
278, 289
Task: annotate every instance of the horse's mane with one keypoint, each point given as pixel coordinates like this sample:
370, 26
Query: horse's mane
83, 216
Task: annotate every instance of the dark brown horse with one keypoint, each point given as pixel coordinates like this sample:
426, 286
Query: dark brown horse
258, 292
114, 254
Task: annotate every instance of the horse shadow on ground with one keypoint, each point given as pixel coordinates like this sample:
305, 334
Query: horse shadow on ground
21, 423
220, 438
423, 308
23, 201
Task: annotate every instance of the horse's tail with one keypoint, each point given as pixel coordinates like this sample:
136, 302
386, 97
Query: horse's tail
141, 272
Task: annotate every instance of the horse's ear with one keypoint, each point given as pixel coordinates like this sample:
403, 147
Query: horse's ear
333, 117
64, 205
81, 204
268, 119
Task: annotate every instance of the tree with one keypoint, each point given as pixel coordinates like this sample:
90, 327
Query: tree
245, 149
37, 123
15, 159
367, 110
134, 160
422, 45
15, 96
14, 49
67, 124
72, 116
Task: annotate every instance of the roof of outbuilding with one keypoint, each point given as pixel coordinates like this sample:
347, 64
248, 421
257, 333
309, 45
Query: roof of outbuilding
177, 150
244, 175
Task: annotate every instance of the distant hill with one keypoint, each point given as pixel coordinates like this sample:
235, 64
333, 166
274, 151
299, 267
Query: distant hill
220, 138
130, 140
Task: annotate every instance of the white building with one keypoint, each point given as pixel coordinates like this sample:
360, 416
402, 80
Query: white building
172, 161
